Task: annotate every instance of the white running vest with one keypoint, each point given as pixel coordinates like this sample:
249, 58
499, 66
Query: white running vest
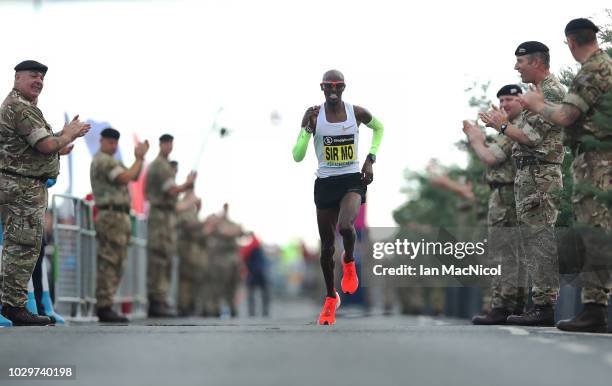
336, 144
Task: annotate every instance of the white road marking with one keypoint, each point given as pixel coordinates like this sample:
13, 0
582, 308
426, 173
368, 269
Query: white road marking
515, 330
576, 348
541, 340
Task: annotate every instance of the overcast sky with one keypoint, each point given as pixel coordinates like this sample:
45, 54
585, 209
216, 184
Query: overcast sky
168, 66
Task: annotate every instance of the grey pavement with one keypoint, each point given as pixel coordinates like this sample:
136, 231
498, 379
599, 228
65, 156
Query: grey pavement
290, 349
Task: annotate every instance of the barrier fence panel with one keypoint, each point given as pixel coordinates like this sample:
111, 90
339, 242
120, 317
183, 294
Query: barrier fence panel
131, 296
74, 238
76, 262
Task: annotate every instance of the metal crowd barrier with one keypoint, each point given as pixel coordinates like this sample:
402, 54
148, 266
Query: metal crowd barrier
75, 258
131, 296
76, 262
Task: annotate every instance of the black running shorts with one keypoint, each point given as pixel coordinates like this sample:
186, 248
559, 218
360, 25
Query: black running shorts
329, 191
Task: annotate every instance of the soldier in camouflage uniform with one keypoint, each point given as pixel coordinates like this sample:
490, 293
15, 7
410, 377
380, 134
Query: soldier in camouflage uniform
162, 193
538, 152
223, 252
213, 282
592, 166
509, 293
29, 155
109, 179
191, 252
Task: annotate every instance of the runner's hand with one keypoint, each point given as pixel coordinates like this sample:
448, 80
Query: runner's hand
310, 117
367, 173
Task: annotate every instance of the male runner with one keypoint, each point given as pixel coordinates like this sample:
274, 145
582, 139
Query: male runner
340, 187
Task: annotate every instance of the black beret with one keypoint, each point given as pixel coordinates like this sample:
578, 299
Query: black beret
109, 132
509, 89
166, 138
530, 47
578, 24
31, 65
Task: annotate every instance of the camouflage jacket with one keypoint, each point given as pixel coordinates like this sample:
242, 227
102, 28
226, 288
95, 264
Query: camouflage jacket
22, 125
592, 81
102, 173
188, 225
548, 138
160, 178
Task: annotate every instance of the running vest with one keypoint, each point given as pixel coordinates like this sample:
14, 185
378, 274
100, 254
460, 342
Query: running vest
336, 144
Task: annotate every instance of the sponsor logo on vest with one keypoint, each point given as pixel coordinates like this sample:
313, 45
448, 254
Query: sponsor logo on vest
339, 149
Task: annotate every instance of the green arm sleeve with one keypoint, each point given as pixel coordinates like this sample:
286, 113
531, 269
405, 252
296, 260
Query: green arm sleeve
378, 129
299, 150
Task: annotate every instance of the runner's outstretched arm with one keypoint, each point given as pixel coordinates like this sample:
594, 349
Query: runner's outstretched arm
299, 150
364, 116
378, 129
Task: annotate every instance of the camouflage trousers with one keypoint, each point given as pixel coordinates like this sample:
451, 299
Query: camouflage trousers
23, 202
192, 267
509, 290
113, 232
161, 246
537, 190
229, 279
594, 168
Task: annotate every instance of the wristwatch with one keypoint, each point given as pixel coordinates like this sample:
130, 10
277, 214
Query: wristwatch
503, 127
371, 157
308, 129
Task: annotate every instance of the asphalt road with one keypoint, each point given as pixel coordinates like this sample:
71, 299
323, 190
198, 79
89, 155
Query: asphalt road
290, 349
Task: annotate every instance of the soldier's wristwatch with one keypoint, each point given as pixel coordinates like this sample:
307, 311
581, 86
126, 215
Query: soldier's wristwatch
503, 127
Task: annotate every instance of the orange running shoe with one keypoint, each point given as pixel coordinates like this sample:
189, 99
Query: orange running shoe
328, 314
350, 282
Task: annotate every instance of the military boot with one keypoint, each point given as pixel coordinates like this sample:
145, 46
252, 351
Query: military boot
159, 310
20, 316
108, 315
537, 316
592, 318
497, 315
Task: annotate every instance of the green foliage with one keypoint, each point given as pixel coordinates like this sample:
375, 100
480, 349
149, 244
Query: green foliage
589, 190
567, 75
432, 206
482, 101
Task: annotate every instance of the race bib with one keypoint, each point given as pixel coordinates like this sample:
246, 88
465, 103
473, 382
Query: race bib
339, 150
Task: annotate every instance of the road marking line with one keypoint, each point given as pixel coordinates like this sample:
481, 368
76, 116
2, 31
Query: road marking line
541, 340
515, 330
576, 348
424, 320
599, 335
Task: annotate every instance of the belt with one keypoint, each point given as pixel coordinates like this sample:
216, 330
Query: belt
529, 160
163, 207
12, 173
115, 208
497, 185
